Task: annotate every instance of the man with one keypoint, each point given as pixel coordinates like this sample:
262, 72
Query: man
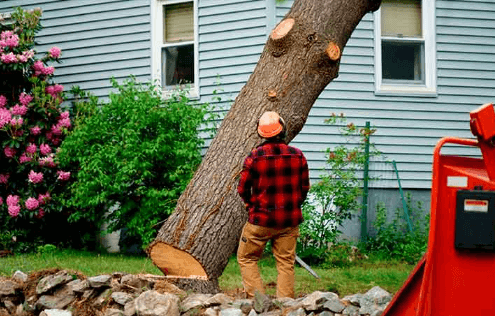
274, 183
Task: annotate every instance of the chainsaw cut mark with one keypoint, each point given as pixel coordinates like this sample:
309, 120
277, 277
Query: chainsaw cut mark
176, 262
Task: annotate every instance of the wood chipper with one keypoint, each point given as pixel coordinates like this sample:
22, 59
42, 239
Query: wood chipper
456, 276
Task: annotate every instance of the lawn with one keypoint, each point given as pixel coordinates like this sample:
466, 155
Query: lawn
357, 278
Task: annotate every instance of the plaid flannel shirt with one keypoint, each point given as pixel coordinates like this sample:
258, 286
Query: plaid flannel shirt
274, 183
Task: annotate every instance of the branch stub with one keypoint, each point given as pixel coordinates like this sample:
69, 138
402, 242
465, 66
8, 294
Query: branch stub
272, 95
282, 29
333, 51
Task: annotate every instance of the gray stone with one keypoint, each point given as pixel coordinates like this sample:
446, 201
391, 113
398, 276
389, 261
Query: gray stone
241, 302
100, 281
326, 313
152, 303
10, 306
103, 299
297, 312
122, 298
130, 309
378, 295
211, 312
59, 300
136, 283
114, 312
218, 299
194, 301
285, 302
367, 307
253, 313
315, 301
231, 312
88, 294
276, 312
55, 312
52, 281
334, 305
262, 303
377, 312
20, 309
8, 287
79, 286
29, 304
351, 310
20, 276
354, 299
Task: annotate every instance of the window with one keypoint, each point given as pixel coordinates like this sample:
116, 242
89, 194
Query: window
405, 47
175, 45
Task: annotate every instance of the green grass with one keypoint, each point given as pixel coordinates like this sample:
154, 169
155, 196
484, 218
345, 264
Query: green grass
88, 263
357, 278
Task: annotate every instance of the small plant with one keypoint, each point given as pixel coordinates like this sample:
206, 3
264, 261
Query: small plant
132, 157
47, 249
334, 198
394, 239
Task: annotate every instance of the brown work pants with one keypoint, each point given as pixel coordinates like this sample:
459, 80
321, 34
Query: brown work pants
251, 246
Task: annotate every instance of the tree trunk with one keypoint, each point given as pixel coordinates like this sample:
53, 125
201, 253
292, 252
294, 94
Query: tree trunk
300, 58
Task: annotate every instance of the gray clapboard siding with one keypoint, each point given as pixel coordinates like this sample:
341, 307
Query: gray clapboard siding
408, 127
231, 36
99, 39
103, 38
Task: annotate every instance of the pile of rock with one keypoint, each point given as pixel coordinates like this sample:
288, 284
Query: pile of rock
63, 293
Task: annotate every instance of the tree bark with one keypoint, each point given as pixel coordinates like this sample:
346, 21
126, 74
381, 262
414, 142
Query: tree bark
300, 58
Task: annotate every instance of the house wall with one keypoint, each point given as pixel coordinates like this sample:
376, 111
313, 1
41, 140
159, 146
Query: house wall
231, 39
408, 127
104, 38
99, 39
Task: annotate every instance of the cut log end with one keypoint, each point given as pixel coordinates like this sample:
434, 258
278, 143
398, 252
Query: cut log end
333, 51
282, 29
176, 262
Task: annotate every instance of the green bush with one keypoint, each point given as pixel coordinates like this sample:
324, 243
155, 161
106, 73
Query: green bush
132, 156
394, 239
334, 198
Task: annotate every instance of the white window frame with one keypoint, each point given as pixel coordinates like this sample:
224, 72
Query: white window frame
157, 45
429, 87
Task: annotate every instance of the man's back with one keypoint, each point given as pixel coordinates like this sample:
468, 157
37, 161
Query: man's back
274, 183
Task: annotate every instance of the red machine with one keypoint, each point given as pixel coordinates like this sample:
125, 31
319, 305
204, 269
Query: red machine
457, 274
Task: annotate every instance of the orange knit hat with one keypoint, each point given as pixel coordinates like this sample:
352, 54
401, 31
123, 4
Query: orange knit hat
270, 124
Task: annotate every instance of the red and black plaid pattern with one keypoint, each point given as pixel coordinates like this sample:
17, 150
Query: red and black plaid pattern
274, 183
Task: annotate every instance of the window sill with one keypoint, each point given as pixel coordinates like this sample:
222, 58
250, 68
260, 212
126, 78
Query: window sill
408, 91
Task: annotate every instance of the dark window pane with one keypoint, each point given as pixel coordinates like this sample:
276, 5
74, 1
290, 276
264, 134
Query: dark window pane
178, 65
402, 61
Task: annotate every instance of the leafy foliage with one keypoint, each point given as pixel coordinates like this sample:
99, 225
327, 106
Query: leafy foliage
132, 156
334, 198
394, 240
32, 126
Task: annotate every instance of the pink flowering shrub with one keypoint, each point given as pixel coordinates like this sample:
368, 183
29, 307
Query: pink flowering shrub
32, 128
